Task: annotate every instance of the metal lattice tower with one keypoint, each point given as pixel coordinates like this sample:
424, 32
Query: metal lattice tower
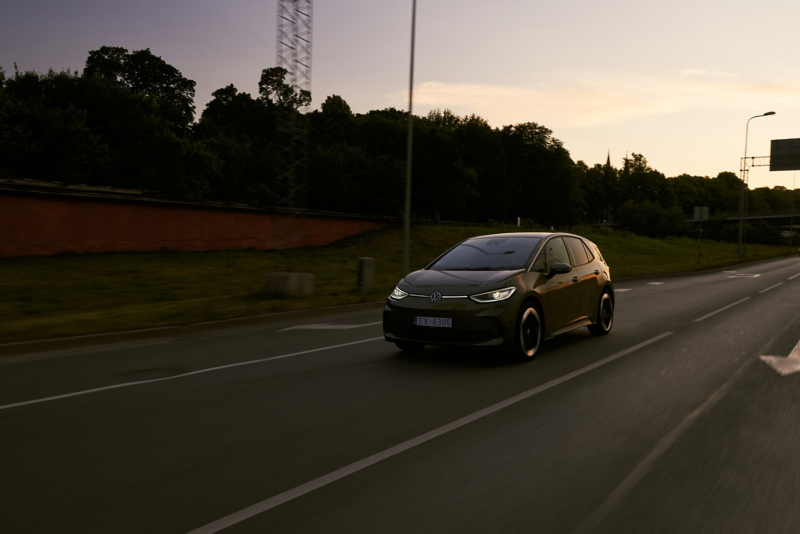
293, 53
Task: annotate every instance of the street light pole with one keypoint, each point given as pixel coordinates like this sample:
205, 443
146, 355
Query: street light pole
791, 217
407, 214
743, 171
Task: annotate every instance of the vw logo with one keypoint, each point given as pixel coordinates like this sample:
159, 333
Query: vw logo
435, 297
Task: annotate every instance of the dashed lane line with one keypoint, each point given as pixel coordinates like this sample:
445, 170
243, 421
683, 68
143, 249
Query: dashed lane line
184, 375
793, 277
771, 287
703, 318
272, 502
596, 517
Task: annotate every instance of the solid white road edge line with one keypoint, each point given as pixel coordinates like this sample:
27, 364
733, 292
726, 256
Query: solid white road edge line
621, 290
328, 326
192, 373
793, 277
183, 326
771, 287
703, 318
324, 480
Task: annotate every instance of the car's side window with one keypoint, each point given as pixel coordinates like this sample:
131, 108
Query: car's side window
540, 265
588, 250
577, 250
556, 252
598, 254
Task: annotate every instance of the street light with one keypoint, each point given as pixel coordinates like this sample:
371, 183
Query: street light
742, 194
407, 214
791, 217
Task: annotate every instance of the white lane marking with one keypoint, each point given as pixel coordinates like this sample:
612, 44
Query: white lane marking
593, 520
324, 480
740, 275
785, 366
192, 373
771, 287
728, 272
793, 277
186, 326
655, 283
328, 326
621, 290
703, 318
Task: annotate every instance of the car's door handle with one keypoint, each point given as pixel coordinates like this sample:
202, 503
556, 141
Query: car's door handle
574, 278
596, 272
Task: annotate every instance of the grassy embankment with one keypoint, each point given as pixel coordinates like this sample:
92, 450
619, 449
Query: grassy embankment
73, 295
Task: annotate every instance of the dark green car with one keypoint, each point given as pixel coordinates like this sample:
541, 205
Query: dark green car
503, 291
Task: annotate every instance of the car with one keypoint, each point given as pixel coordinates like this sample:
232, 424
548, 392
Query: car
504, 292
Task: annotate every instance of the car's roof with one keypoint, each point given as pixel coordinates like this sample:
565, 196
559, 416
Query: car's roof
523, 234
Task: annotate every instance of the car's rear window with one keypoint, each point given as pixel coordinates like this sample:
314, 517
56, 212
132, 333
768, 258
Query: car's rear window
489, 254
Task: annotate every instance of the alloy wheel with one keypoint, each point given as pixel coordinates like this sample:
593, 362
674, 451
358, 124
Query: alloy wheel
530, 332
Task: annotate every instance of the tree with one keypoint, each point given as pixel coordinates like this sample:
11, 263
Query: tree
40, 139
334, 122
274, 89
542, 184
144, 72
237, 114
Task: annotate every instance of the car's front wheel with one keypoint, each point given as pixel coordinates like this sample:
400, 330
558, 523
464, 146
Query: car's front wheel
409, 346
605, 316
528, 332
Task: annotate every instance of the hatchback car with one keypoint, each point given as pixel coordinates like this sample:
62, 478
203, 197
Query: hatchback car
503, 291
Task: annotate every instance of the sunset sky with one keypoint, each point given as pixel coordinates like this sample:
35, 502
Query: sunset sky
675, 81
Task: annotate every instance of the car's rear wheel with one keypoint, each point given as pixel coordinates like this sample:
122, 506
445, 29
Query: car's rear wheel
529, 332
409, 346
605, 316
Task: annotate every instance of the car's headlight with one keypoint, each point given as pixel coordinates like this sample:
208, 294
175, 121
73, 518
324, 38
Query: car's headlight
494, 296
398, 294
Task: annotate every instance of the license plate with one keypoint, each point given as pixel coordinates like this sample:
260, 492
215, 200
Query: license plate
439, 322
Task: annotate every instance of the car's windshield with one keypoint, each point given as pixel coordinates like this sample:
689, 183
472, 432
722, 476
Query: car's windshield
488, 254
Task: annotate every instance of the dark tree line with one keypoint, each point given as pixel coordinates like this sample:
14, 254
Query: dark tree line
128, 120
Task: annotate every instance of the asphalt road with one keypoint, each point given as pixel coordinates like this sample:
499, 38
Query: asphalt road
671, 423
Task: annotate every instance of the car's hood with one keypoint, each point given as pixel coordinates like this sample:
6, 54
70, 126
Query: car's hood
449, 281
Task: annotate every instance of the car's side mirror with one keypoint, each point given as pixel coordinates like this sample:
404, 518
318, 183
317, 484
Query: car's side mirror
559, 268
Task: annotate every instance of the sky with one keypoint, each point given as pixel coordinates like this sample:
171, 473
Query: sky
675, 81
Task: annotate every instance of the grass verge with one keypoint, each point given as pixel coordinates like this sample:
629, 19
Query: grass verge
85, 294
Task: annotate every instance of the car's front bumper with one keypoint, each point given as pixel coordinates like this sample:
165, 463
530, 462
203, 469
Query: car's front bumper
489, 326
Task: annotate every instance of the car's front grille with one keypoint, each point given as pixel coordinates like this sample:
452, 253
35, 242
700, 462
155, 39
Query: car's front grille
442, 335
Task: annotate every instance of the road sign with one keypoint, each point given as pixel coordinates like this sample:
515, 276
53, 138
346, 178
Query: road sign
700, 213
784, 155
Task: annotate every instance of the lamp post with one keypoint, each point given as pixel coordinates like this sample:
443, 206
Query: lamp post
739, 252
407, 214
791, 217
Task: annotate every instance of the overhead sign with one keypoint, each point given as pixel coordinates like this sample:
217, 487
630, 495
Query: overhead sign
785, 155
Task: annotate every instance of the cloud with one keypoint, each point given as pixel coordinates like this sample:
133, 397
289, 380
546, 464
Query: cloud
704, 72
587, 99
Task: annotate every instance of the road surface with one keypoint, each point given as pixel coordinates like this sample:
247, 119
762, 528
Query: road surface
310, 424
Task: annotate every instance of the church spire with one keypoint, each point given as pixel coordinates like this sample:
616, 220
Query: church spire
608, 158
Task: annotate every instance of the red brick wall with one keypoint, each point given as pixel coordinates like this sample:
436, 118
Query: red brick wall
31, 226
